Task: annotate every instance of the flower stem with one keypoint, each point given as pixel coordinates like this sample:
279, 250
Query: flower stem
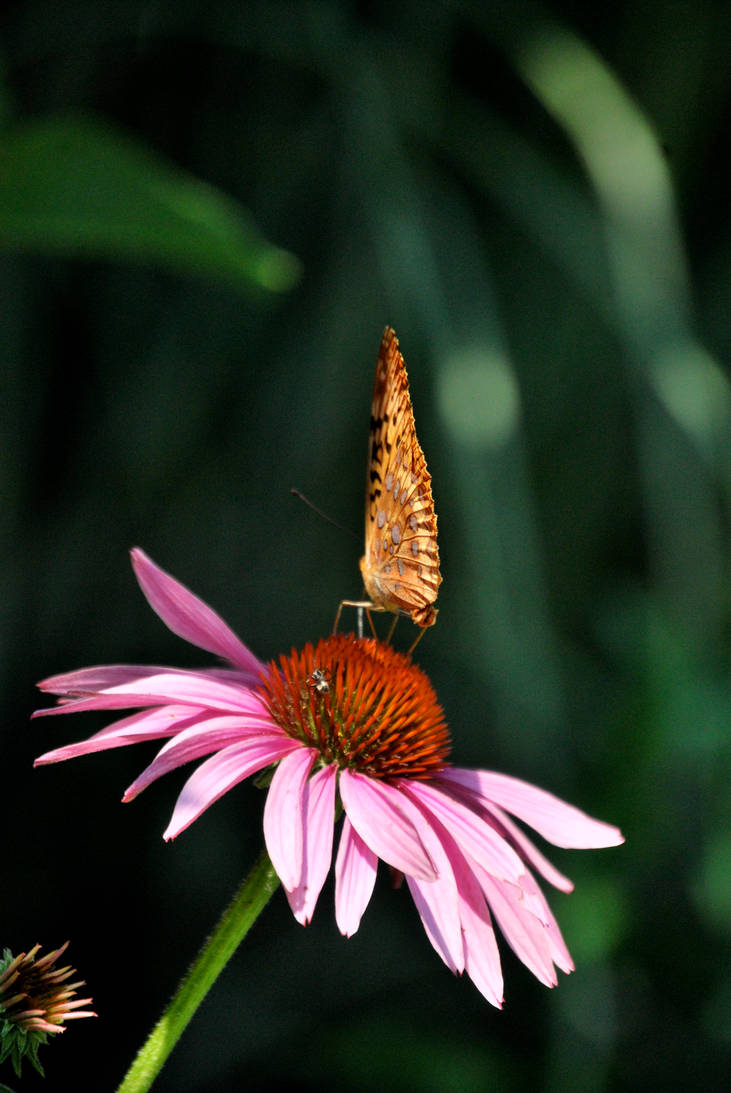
232, 928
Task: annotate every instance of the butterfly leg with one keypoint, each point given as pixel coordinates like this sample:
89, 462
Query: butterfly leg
362, 605
416, 640
370, 622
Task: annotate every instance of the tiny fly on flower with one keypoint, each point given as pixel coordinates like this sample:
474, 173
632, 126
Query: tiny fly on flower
320, 680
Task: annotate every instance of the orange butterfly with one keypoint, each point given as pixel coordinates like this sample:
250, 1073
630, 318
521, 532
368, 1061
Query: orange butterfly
400, 566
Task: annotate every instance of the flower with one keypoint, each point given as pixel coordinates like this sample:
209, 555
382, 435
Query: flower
347, 725
35, 1000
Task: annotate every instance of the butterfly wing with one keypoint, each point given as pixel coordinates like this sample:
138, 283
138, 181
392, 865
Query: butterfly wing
400, 566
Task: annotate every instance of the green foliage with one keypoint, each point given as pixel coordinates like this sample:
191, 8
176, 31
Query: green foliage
17, 1044
72, 185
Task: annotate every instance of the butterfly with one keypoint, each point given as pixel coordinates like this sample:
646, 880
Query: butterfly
400, 566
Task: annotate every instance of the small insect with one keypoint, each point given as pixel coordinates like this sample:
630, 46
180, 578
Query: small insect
319, 680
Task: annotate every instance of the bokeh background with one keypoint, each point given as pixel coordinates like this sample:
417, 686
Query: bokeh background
208, 213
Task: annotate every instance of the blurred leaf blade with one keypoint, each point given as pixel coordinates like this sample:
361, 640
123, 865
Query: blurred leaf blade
72, 185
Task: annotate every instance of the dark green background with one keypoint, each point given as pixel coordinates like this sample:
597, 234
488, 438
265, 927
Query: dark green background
208, 213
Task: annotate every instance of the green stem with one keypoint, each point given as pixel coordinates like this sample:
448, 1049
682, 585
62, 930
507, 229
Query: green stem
232, 928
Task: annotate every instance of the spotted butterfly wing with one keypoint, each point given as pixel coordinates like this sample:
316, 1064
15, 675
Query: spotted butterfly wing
400, 566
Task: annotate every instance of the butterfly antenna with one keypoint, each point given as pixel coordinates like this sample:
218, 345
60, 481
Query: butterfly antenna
300, 496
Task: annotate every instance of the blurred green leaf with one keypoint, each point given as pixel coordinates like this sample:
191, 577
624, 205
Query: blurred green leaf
72, 185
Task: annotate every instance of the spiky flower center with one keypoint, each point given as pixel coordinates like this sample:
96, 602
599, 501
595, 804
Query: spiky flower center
363, 705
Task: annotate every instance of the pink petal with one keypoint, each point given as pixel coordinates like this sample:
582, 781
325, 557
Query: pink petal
558, 822
195, 688
111, 701
481, 954
438, 907
190, 618
556, 944
355, 877
525, 934
222, 772
388, 822
474, 837
531, 853
283, 815
437, 901
87, 681
151, 724
319, 814
201, 738
234, 675
432, 904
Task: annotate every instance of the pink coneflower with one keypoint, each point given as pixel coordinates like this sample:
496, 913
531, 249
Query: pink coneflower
347, 726
36, 999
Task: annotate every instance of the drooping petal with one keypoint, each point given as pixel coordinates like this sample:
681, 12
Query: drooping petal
558, 822
524, 932
388, 822
437, 901
160, 721
318, 802
438, 905
474, 837
283, 815
204, 736
355, 876
531, 853
481, 954
556, 944
190, 618
222, 772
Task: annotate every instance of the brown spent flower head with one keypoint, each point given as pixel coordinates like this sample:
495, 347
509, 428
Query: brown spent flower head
363, 705
35, 1000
